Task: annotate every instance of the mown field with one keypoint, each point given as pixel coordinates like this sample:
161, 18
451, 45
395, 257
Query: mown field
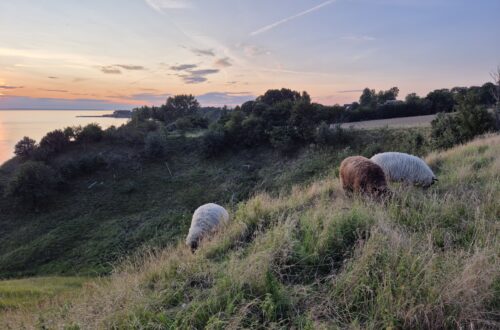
418, 121
311, 258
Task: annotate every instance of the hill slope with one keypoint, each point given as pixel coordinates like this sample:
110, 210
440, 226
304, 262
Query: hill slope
100, 217
312, 258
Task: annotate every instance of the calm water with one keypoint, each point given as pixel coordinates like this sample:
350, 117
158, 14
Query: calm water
15, 124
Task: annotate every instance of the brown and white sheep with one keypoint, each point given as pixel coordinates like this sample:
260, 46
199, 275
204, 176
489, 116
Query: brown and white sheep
360, 175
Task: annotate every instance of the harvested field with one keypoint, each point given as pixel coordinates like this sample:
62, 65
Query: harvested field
418, 121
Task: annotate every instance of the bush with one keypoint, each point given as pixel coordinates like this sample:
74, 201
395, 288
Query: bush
54, 142
155, 144
214, 142
85, 165
470, 121
331, 136
32, 183
25, 147
90, 134
283, 138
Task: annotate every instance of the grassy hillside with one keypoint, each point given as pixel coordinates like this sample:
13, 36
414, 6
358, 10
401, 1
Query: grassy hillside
100, 217
30, 293
311, 258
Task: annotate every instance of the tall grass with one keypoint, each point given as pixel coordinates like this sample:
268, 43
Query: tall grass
312, 258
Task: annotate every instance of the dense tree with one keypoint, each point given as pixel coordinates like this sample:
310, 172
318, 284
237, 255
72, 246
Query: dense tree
368, 98
388, 95
442, 100
274, 96
32, 183
54, 142
90, 133
25, 147
179, 106
470, 120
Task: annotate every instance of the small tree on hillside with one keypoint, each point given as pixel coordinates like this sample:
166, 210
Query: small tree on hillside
89, 134
496, 94
32, 183
25, 147
156, 144
179, 106
54, 142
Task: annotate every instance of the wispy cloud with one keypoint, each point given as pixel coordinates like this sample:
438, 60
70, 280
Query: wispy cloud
203, 52
222, 98
351, 91
53, 77
190, 76
130, 67
53, 90
110, 70
223, 62
10, 87
291, 18
116, 68
252, 50
153, 98
161, 5
183, 67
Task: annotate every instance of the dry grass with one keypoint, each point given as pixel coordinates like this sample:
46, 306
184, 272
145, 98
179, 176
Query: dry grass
404, 122
313, 258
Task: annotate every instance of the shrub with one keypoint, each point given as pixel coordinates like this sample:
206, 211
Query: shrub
283, 138
331, 136
155, 144
470, 121
90, 133
85, 165
25, 147
32, 183
214, 142
54, 142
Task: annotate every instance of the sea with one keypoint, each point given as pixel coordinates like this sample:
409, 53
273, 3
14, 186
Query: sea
15, 124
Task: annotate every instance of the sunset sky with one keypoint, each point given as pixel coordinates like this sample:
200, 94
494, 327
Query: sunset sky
106, 54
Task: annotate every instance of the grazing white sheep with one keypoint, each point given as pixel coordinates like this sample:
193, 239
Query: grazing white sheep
399, 166
206, 219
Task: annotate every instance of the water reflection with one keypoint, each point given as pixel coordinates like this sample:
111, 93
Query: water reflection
15, 124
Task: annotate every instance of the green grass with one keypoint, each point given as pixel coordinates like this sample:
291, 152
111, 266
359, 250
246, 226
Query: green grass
28, 293
139, 202
312, 258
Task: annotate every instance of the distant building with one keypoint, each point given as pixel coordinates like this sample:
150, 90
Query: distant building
350, 106
122, 114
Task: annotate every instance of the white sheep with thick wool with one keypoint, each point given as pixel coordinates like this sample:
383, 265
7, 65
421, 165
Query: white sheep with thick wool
403, 167
206, 219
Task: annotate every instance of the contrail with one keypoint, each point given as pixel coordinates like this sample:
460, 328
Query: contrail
288, 19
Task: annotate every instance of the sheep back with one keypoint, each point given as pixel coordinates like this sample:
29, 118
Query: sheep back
406, 168
206, 219
360, 175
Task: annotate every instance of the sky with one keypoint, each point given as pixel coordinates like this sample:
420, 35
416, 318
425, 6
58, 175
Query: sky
116, 54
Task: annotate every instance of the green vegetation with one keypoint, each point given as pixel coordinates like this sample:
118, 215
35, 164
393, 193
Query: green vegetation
112, 198
86, 197
312, 258
29, 293
298, 253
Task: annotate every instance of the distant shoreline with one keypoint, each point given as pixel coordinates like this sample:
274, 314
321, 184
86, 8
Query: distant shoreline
115, 114
23, 109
